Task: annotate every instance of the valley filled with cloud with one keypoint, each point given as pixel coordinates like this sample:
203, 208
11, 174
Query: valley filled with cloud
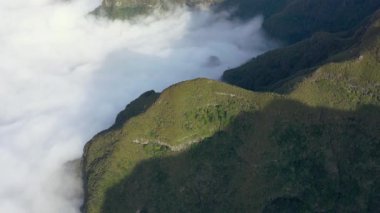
65, 74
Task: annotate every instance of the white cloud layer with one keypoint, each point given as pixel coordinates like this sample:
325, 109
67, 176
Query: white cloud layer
65, 75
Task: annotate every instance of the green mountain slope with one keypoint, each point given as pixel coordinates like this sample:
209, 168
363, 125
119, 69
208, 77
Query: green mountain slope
206, 146
177, 119
265, 71
316, 159
269, 71
221, 159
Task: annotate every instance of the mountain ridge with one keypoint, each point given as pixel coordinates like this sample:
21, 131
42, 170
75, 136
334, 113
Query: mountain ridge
263, 73
310, 143
287, 20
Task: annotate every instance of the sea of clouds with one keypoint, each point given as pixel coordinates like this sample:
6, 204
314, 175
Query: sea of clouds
64, 75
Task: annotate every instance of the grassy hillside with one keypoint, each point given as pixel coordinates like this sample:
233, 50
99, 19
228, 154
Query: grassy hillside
265, 71
206, 146
269, 71
310, 158
236, 150
177, 119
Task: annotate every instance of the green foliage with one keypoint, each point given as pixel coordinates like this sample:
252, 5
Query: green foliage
154, 127
155, 150
266, 71
251, 146
121, 12
206, 146
282, 69
305, 163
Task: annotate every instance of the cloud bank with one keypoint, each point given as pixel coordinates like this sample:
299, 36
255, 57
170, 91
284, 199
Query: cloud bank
64, 75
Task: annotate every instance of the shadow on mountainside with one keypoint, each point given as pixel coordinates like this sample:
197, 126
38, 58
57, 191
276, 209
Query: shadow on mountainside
135, 108
287, 157
272, 70
267, 72
295, 20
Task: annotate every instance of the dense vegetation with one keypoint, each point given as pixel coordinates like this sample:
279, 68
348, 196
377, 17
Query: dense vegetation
320, 159
227, 148
269, 71
312, 144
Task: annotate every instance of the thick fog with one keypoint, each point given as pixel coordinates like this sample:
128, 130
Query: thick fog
64, 75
